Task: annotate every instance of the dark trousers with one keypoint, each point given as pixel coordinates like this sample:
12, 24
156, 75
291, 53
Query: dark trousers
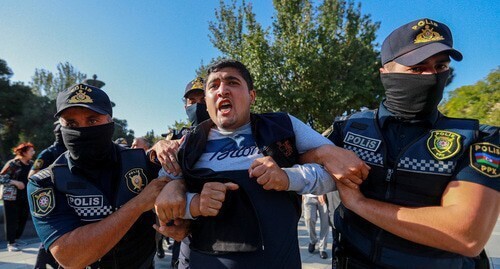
16, 214
44, 257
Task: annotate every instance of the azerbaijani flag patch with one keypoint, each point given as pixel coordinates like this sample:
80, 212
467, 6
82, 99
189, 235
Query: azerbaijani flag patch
485, 158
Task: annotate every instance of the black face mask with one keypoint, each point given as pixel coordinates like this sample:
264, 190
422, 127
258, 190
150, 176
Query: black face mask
90, 147
197, 113
411, 96
58, 135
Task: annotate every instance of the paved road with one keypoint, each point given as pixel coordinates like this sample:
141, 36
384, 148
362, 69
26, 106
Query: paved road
27, 258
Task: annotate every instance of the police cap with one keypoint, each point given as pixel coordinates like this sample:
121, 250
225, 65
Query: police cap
195, 85
418, 40
83, 95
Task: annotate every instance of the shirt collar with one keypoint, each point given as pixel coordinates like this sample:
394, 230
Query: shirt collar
384, 116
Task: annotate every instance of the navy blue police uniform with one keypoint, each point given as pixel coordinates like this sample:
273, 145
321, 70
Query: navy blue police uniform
48, 156
411, 163
43, 160
65, 197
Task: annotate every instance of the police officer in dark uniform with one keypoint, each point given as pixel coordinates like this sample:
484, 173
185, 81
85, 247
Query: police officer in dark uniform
50, 154
194, 104
92, 206
43, 160
196, 110
431, 199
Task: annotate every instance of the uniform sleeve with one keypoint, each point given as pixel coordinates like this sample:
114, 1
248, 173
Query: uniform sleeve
52, 216
335, 134
305, 137
43, 160
480, 162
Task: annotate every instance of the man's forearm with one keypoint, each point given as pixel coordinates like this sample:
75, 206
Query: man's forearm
457, 226
87, 244
309, 178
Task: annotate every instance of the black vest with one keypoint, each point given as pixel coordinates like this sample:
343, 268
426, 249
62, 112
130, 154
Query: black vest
238, 226
419, 177
137, 247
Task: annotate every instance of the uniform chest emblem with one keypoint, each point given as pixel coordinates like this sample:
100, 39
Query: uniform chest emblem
363, 142
136, 180
43, 201
443, 144
485, 158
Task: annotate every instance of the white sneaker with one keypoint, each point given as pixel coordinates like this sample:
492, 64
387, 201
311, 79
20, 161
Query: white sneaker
13, 247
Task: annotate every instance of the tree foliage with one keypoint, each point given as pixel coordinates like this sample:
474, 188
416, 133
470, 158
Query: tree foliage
152, 138
479, 101
314, 61
121, 130
46, 83
27, 112
23, 115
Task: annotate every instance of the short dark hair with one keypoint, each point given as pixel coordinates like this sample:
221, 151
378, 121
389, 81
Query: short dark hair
234, 64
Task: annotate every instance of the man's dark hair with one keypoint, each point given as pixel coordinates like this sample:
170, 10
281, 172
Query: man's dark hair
234, 64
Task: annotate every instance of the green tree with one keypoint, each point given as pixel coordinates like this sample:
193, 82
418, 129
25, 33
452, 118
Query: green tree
121, 130
12, 104
5, 72
179, 125
151, 138
46, 83
315, 60
479, 101
22, 115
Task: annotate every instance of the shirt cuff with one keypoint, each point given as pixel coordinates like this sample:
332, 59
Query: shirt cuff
189, 197
295, 182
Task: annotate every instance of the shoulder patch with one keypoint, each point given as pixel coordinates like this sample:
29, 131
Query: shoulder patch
38, 164
43, 201
136, 180
444, 144
485, 158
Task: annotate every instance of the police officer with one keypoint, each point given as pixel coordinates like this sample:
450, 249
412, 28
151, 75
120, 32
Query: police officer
196, 110
92, 206
43, 160
194, 104
432, 198
50, 154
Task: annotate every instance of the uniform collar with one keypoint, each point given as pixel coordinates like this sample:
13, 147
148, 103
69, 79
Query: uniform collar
384, 116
